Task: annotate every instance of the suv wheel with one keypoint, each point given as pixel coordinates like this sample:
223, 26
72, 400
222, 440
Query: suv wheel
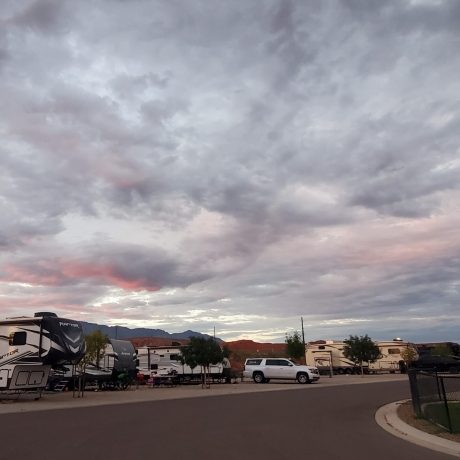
258, 377
303, 378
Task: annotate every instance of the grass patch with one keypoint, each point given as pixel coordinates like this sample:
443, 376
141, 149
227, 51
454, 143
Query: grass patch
437, 413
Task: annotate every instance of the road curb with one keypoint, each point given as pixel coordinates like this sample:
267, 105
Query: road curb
387, 417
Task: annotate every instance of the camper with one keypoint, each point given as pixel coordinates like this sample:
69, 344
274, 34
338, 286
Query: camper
31, 346
116, 368
328, 356
164, 360
391, 356
120, 356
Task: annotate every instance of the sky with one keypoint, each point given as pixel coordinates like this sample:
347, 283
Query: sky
233, 166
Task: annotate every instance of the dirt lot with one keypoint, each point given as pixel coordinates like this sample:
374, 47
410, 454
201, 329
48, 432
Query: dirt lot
406, 413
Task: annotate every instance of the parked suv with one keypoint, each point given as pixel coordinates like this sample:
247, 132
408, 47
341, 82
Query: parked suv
261, 370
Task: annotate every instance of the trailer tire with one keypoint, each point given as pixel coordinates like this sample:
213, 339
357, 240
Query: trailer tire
302, 378
340, 371
258, 377
266, 380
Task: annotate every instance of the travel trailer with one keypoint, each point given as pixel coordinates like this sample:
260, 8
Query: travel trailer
328, 356
31, 346
119, 358
391, 358
165, 360
116, 368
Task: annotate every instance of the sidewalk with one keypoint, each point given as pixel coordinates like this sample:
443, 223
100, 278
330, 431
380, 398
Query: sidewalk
387, 417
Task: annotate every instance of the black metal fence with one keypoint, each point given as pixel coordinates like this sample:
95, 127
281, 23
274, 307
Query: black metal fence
436, 397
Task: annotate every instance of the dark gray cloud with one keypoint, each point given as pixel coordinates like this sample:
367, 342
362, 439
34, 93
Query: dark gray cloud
237, 163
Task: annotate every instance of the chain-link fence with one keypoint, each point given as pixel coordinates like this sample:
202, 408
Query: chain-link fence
436, 397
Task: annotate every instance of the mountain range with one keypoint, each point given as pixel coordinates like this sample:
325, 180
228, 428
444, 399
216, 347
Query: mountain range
122, 333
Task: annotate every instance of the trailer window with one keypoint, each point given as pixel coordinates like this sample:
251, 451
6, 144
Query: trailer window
393, 351
18, 338
174, 358
321, 347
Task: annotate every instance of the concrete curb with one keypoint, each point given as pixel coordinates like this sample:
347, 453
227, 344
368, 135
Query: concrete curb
386, 416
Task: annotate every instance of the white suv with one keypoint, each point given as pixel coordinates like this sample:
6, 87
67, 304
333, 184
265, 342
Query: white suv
261, 370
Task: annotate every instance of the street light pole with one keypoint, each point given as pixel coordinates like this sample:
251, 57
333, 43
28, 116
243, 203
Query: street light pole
303, 341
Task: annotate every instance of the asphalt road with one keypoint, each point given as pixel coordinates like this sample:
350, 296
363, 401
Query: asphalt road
313, 422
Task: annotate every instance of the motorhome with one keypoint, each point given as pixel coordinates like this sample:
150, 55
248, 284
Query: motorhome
164, 360
327, 356
31, 346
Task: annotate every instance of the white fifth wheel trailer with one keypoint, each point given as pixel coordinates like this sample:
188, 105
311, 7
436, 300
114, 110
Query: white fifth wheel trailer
328, 356
31, 346
164, 360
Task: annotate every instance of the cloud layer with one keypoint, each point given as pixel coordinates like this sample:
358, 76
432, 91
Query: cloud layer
237, 165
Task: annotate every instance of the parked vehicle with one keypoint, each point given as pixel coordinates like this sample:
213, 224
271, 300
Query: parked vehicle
262, 370
328, 357
166, 360
31, 346
115, 370
438, 356
120, 356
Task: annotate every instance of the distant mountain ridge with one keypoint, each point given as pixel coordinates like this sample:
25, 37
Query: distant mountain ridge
121, 332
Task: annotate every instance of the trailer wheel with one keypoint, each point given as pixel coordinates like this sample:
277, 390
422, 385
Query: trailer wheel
341, 371
303, 378
258, 377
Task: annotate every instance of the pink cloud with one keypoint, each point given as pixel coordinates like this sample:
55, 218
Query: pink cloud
65, 272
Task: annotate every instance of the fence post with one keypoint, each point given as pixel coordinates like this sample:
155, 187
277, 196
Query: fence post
446, 406
437, 384
414, 392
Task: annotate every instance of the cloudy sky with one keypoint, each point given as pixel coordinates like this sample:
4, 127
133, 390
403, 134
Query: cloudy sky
233, 165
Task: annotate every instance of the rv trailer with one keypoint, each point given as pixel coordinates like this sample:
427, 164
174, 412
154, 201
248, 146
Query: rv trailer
164, 360
117, 366
391, 356
31, 346
328, 356
120, 356
115, 369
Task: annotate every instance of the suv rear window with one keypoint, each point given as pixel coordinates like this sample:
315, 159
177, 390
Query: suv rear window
253, 362
277, 362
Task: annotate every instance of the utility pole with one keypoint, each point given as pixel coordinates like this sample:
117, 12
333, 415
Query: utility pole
303, 341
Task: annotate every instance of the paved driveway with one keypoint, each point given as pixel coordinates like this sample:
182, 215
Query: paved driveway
311, 422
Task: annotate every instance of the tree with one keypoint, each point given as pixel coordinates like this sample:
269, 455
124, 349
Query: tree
188, 357
295, 346
361, 349
202, 352
441, 349
95, 347
409, 355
